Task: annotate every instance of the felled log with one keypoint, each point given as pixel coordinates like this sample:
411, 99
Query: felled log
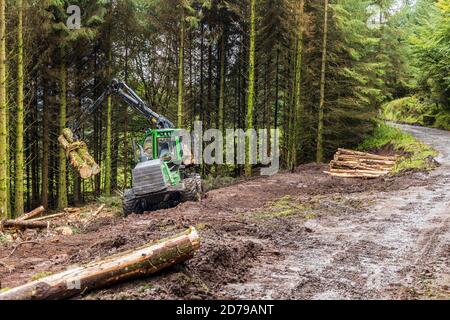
76, 161
82, 151
358, 165
366, 155
31, 214
359, 171
352, 175
341, 157
23, 224
135, 263
99, 210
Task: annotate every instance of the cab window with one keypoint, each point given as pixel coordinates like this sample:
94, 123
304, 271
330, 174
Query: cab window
167, 146
148, 147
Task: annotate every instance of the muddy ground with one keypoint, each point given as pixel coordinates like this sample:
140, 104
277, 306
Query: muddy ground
300, 235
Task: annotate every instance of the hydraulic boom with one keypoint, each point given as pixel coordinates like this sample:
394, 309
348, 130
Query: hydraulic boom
123, 91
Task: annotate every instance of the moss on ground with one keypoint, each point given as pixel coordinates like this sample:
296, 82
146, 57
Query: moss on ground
416, 155
41, 275
285, 207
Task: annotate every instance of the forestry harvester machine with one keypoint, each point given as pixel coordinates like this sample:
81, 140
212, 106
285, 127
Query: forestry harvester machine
160, 177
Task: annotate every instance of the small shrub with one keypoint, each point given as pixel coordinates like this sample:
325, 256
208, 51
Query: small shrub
3, 239
112, 202
410, 110
443, 120
211, 183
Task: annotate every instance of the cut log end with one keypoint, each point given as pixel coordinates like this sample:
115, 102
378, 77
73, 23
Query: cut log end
78, 155
355, 164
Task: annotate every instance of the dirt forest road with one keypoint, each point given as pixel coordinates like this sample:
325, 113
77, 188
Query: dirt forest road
300, 235
398, 247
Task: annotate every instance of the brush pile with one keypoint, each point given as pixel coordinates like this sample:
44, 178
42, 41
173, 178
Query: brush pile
78, 154
355, 164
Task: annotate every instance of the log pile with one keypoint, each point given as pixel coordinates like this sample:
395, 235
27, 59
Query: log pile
78, 154
26, 221
355, 164
121, 267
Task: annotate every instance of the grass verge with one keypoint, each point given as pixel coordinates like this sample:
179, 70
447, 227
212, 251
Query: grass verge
417, 111
415, 154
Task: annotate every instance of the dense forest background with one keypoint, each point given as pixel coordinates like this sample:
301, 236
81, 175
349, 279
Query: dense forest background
318, 70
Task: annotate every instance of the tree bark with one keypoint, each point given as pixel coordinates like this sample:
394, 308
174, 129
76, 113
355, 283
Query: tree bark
319, 156
19, 163
23, 224
181, 72
251, 86
135, 263
45, 147
108, 133
297, 117
62, 181
76, 160
4, 196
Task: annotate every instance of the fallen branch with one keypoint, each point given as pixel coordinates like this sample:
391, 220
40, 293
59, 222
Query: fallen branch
51, 216
21, 244
124, 266
31, 214
99, 210
23, 224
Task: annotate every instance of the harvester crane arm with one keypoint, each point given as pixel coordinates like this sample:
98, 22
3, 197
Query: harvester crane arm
131, 98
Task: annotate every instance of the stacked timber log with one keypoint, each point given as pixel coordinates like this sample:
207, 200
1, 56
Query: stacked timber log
356, 164
131, 264
78, 154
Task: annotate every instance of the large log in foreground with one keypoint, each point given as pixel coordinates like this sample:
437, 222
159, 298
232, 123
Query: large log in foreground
124, 266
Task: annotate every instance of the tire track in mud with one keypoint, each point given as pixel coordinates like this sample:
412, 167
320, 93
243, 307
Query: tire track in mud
397, 248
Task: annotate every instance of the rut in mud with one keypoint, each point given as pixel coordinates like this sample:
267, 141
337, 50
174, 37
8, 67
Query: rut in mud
293, 235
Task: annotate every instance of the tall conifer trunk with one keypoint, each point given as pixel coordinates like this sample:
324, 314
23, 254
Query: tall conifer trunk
319, 157
297, 116
19, 163
251, 85
181, 72
4, 196
108, 132
62, 176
